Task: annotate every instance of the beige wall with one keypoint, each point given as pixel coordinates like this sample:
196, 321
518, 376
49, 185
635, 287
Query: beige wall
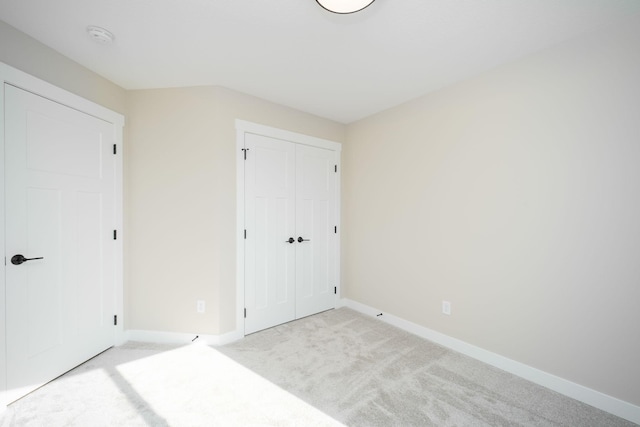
29, 55
516, 197
181, 168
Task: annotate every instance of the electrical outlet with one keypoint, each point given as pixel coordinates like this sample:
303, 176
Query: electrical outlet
200, 306
446, 307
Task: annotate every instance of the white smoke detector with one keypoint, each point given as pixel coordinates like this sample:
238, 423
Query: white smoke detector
100, 34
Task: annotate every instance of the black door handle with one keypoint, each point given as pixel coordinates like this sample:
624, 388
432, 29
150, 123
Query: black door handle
19, 259
291, 240
300, 240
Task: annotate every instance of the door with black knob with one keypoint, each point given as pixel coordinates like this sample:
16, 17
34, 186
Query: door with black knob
315, 221
290, 190
60, 213
270, 249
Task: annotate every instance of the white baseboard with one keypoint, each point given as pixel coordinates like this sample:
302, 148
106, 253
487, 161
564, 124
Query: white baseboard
181, 338
584, 394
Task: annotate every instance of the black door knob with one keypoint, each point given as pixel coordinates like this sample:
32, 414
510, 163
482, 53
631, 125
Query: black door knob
19, 259
291, 240
300, 240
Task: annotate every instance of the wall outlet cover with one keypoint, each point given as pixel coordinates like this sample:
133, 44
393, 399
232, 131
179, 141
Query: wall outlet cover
446, 307
200, 306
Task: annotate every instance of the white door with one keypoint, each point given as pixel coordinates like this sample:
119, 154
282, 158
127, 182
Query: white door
270, 223
290, 240
315, 229
60, 208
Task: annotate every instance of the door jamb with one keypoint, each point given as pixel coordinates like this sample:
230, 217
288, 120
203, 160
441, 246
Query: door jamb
22, 80
244, 127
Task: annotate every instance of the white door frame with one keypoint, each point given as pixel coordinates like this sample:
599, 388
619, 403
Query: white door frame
39, 87
242, 128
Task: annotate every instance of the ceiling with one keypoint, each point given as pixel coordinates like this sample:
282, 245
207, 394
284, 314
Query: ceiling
293, 52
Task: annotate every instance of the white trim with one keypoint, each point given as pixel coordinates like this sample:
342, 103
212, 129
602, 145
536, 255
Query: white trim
584, 394
338, 278
243, 127
3, 338
25, 81
22, 80
180, 338
239, 232
119, 225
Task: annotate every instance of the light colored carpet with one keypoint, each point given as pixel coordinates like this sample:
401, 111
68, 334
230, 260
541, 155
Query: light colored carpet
154, 385
335, 367
364, 372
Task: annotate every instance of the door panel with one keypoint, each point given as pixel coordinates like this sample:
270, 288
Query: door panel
269, 221
90, 269
315, 221
60, 193
41, 280
81, 144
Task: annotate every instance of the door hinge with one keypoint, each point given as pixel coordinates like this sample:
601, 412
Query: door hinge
245, 233
115, 320
335, 290
245, 152
115, 234
115, 151
335, 229
245, 313
336, 169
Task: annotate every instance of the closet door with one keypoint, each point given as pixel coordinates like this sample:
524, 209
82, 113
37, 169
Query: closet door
269, 224
290, 241
315, 233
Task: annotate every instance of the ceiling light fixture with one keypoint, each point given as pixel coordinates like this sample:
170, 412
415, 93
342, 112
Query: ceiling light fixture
100, 34
344, 6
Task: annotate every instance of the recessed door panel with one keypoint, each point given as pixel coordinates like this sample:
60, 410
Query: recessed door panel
42, 281
77, 151
90, 266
